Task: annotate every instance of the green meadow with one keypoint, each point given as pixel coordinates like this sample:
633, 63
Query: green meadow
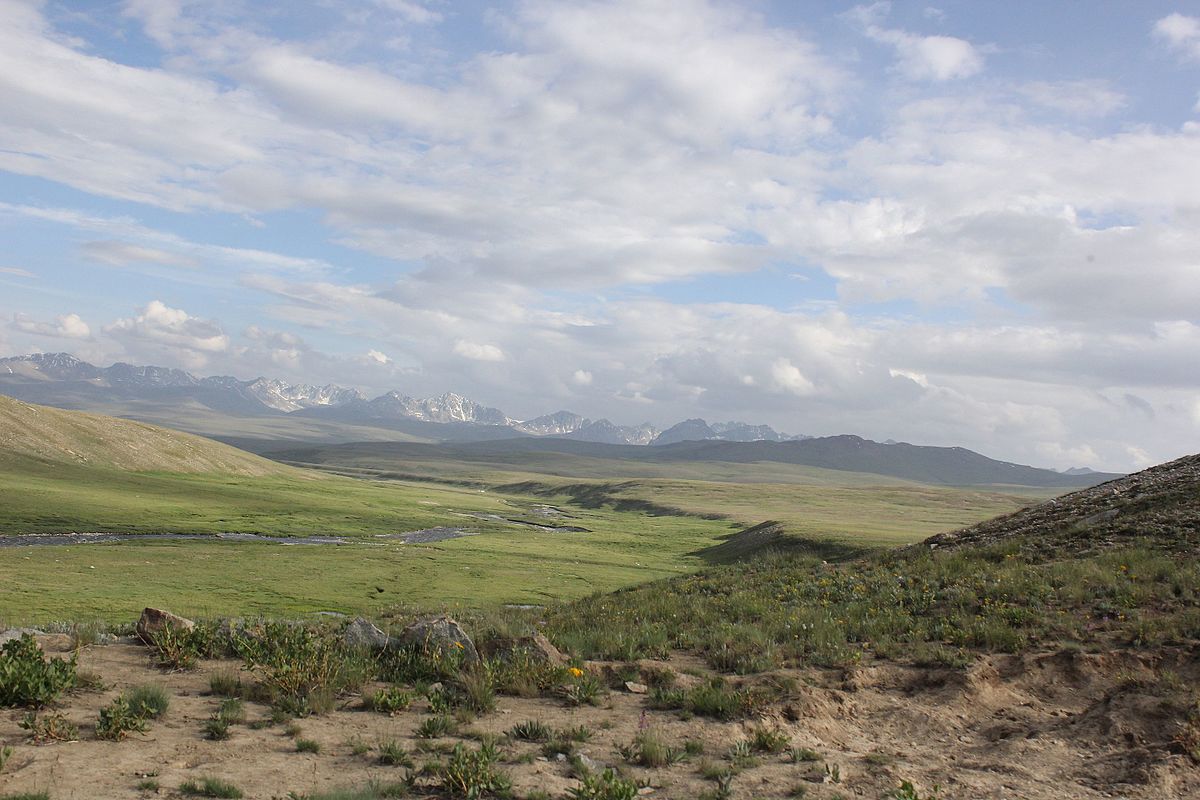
643, 522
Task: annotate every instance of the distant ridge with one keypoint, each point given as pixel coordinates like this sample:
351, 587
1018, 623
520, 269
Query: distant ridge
950, 466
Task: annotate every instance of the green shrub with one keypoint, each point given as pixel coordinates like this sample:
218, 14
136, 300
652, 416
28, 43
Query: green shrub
713, 699
392, 754
175, 647
768, 740
583, 688
302, 670
649, 750
210, 787
28, 678
216, 729
907, 791
472, 773
388, 701
232, 710
473, 690
118, 720
308, 746
436, 727
149, 701
5, 755
226, 683
606, 785
531, 731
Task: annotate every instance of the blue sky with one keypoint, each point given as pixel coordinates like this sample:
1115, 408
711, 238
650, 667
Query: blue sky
958, 223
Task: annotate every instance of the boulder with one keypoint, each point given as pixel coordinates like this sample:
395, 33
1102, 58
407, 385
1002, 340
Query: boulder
633, 687
537, 648
154, 620
17, 633
440, 633
362, 633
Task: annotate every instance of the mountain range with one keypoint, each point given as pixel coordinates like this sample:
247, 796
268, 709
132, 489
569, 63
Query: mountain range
61, 379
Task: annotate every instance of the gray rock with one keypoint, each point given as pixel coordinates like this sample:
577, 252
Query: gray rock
154, 620
636, 688
362, 633
440, 634
536, 647
17, 633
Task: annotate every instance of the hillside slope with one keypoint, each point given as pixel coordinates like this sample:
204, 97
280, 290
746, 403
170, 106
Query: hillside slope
73, 437
1159, 507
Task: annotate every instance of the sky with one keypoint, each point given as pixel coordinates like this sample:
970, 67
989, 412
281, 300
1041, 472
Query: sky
962, 223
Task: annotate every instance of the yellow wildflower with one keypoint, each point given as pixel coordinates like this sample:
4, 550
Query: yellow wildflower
576, 672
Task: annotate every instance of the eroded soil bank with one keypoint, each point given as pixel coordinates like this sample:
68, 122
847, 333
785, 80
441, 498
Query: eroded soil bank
1040, 726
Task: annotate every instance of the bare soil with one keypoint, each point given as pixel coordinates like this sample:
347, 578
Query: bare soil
1036, 726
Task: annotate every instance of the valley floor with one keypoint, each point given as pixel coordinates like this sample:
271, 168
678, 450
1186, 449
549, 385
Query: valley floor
1038, 726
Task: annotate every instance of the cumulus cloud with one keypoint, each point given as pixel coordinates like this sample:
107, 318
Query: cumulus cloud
478, 352
1181, 33
932, 58
1030, 246
159, 330
66, 326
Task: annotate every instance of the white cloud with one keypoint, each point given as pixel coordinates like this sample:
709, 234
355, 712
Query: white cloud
124, 253
378, 357
66, 326
788, 377
20, 273
582, 377
159, 330
1181, 33
478, 352
934, 58
1078, 98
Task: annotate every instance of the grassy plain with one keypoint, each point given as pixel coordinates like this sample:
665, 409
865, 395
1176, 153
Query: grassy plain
642, 523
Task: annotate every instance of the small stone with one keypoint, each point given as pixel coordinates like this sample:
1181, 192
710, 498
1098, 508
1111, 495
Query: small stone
636, 688
645, 790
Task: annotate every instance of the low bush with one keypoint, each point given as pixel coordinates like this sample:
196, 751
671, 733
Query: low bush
531, 731
472, 773
606, 785
303, 670
149, 701
118, 720
49, 728
210, 787
388, 701
29, 678
649, 750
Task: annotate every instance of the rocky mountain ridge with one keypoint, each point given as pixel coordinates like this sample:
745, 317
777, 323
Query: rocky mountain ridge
27, 377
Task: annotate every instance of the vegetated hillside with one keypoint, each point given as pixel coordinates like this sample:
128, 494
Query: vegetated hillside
73, 437
1158, 507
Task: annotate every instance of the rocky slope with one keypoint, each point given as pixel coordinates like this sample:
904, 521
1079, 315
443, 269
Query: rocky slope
1159, 506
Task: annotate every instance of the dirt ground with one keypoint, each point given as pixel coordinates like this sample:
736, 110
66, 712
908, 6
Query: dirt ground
1043, 726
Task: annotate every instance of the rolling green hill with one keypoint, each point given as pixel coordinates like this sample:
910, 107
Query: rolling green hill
51, 435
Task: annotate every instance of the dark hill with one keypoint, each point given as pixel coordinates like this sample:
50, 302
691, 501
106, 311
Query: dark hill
1159, 507
950, 466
